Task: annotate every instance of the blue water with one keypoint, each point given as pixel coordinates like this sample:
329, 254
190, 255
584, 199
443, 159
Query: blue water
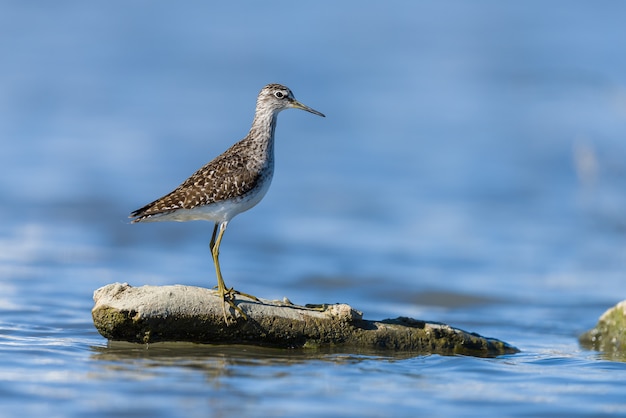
470, 170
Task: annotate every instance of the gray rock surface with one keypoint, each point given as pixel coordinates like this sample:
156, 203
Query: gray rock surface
185, 313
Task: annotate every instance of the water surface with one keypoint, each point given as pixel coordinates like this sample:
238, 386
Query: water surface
470, 170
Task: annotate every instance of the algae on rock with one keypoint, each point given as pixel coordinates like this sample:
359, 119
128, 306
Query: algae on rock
609, 334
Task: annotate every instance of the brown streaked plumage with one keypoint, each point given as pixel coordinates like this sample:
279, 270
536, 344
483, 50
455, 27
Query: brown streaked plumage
232, 183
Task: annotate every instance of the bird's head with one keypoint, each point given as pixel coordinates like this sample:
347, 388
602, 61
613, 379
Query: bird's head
276, 97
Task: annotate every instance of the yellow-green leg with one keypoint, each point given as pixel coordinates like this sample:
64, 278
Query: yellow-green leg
227, 295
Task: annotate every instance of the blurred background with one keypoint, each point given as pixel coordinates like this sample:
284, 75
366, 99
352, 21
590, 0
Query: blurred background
470, 170
466, 148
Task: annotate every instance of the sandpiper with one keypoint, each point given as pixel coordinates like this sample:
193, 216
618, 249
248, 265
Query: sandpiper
232, 183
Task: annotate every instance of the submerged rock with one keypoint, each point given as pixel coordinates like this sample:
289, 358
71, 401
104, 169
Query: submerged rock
609, 334
185, 313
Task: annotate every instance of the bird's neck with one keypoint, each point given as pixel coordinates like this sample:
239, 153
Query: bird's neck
262, 130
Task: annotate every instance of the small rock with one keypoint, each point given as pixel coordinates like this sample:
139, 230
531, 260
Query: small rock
609, 334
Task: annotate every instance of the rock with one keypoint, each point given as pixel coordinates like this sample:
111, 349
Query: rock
609, 334
185, 313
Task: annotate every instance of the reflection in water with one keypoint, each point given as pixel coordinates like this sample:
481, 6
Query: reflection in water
182, 353
218, 363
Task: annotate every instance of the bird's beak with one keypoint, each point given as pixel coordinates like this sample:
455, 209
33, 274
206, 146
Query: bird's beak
297, 105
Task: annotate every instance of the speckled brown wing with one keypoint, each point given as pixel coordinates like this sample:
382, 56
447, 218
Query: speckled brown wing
226, 177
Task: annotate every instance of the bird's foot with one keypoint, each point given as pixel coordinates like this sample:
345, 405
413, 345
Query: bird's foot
229, 298
232, 292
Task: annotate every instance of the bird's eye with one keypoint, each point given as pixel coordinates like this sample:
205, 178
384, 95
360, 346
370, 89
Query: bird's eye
279, 94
